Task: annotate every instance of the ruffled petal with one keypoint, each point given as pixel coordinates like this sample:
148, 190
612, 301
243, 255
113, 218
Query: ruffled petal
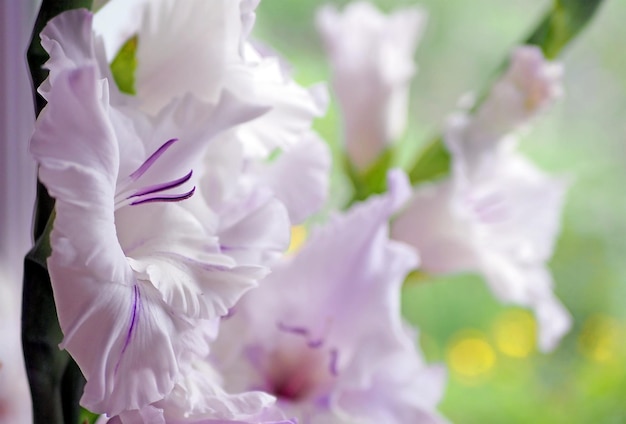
502, 224
430, 223
293, 107
77, 151
70, 43
199, 396
347, 266
131, 322
260, 234
194, 125
172, 251
530, 286
170, 36
324, 331
300, 177
74, 131
529, 86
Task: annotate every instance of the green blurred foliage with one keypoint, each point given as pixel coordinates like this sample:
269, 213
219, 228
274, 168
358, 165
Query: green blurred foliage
583, 138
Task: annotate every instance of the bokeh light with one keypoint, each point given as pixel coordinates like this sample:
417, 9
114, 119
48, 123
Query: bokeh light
515, 333
298, 237
600, 338
470, 356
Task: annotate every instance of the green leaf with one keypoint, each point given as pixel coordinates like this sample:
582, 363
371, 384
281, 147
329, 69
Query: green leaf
373, 180
87, 417
433, 162
124, 66
561, 24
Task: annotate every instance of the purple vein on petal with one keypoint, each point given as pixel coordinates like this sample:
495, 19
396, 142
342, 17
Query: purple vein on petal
152, 159
166, 198
133, 323
301, 331
163, 186
332, 365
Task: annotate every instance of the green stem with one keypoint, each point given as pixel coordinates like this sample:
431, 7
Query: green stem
560, 25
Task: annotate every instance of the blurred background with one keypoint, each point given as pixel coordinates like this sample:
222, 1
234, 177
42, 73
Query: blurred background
496, 374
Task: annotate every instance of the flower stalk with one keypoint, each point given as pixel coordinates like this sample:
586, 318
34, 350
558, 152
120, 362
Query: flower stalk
561, 24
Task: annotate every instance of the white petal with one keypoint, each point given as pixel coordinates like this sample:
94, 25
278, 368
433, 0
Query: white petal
199, 397
73, 130
530, 286
293, 107
431, 224
69, 41
502, 223
261, 232
184, 48
170, 249
195, 125
340, 292
300, 177
131, 323
373, 52
528, 87
78, 156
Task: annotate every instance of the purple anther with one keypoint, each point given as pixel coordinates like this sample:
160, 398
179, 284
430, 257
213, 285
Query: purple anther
165, 198
152, 159
163, 186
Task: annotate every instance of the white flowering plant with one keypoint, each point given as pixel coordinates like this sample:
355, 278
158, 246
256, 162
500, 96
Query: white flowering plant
177, 157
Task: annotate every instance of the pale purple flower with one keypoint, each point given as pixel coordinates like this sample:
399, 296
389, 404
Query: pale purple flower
132, 271
198, 396
323, 333
241, 198
371, 58
249, 204
183, 47
528, 87
202, 47
497, 214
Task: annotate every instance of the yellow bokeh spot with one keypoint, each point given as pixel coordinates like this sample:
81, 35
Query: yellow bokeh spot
599, 338
515, 333
470, 355
298, 237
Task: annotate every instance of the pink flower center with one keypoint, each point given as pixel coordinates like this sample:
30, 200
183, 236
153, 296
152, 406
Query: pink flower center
298, 368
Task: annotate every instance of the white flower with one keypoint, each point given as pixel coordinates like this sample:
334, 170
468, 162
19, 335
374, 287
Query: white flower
202, 47
131, 269
371, 57
497, 214
324, 332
